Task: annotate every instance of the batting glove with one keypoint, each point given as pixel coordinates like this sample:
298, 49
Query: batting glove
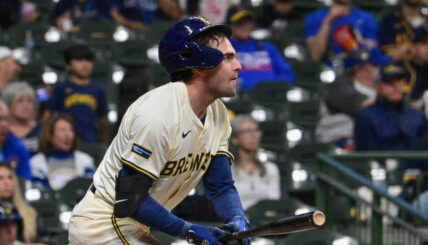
203, 235
239, 223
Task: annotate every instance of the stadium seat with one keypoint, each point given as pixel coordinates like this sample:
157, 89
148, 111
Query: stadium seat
50, 212
156, 30
32, 73
95, 150
74, 190
307, 71
158, 75
53, 54
270, 93
132, 53
21, 35
303, 113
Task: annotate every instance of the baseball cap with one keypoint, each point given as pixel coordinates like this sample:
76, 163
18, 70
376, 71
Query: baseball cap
390, 72
364, 55
236, 14
5, 52
8, 212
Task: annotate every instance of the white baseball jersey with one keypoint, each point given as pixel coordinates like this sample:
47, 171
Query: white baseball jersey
160, 136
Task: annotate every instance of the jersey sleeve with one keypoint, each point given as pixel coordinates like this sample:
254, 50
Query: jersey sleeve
223, 148
147, 149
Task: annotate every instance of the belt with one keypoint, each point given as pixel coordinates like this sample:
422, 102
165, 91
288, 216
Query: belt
92, 188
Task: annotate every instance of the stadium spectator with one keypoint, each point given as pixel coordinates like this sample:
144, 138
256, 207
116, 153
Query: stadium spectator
400, 34
12, 149
138, 14
69, 14
390, 123
350, 93
11, 192
332, 31
59, 160
21, 100
10, 223
277, 14
9, 68
80, 97
260, 60
255, 180
398, 29
10, 13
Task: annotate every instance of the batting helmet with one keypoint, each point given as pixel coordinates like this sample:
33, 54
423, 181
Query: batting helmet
8, 212
178, 53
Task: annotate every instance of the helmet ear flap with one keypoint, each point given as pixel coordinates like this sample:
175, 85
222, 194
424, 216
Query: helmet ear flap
198, 56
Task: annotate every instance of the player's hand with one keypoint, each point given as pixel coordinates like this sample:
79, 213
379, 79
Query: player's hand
203, 235
239, 223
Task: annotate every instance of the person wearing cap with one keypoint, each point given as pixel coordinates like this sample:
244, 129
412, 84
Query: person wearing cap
9, 68
341, 18
390, 123
10, 224
350, 93
260, 60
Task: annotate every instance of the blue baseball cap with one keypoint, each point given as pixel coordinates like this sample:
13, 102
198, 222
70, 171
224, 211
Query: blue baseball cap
8, 212
364, 55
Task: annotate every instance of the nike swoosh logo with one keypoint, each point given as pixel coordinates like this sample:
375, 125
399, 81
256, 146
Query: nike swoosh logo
185, 134
122, 200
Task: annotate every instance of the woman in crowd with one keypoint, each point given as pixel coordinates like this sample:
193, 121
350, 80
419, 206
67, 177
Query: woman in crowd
22, 103
254, 180
59, 161
10, 192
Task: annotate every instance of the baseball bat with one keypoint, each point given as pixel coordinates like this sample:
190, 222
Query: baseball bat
295, 223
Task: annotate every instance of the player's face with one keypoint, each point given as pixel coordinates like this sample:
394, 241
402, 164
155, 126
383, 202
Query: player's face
6, 184
221, 81
4, 123
248, 136
391, 91
63, 136
8, 232
22, 107
81, 68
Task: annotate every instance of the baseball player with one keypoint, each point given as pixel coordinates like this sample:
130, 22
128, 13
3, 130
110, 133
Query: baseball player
169, 139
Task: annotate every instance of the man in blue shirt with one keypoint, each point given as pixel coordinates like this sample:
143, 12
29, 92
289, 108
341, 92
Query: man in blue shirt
12, 149
321, 25
80, 97
390, 123
260, 60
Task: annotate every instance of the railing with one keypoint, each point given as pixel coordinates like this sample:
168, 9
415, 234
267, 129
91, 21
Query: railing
370, 220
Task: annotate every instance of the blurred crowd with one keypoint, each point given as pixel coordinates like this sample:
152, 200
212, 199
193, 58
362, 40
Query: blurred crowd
376, 101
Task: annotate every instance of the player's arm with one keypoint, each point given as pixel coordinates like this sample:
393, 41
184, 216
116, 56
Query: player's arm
138, 204
221, 191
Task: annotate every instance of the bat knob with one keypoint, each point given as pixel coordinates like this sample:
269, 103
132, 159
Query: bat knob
319, 218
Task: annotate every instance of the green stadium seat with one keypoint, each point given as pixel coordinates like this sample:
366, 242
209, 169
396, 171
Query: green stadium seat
19, 34
50, 212
74, 190
307, 71
158, 75
318, 236
303, 114
95, 150
32, 73
241, 103
53, 54
156, 31
270, 93
96, 31
132, 53
60, 238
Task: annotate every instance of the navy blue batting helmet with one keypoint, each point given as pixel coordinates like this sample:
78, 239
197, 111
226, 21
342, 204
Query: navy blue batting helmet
178, 53
8, 212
